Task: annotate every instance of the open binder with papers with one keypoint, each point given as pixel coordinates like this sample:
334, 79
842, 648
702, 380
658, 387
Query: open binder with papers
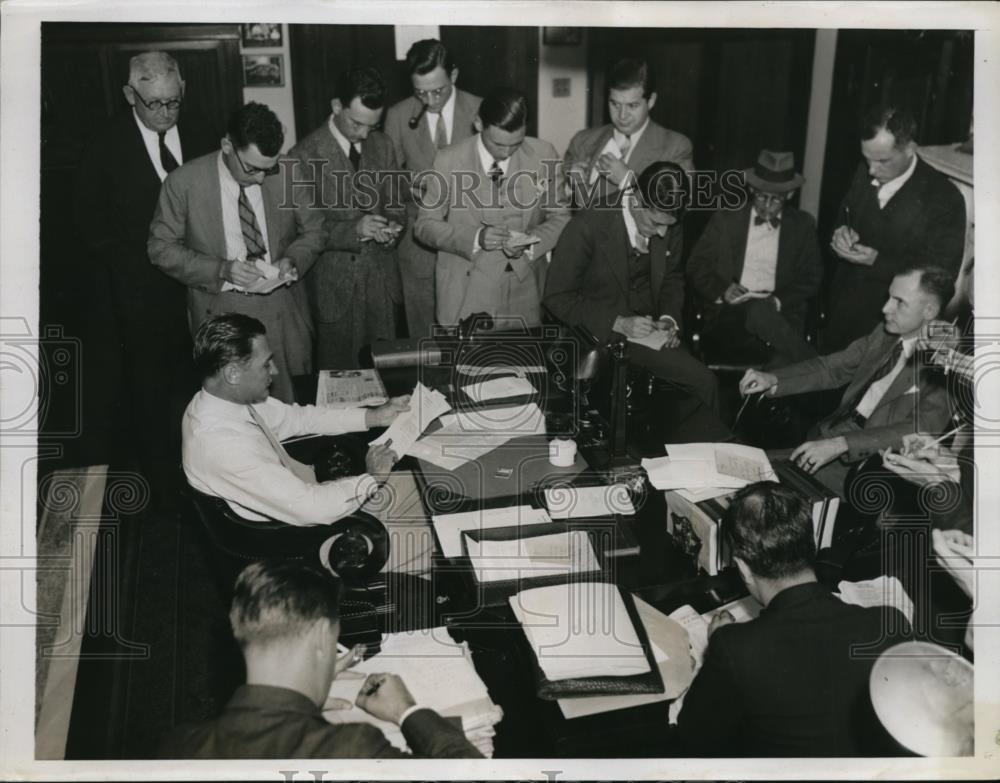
587, 640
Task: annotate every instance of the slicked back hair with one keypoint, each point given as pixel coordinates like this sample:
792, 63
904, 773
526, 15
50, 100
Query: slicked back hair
896, 120
504, 108
770, 529
364, 83
223, 339
426, 55
281, 600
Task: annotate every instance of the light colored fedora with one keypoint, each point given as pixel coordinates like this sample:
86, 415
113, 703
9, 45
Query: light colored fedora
774, 172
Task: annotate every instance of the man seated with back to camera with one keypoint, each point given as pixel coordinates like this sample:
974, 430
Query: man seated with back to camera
617, 271
232, 433
889, 392
285, 617
793, 681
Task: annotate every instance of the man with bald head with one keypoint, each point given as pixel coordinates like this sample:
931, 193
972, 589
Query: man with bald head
138, 319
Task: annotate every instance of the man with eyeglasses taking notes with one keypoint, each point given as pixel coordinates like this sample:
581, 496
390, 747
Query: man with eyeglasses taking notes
223, 230
136, 316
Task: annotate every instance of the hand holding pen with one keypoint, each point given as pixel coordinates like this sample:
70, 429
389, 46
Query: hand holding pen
385, 696
756, 381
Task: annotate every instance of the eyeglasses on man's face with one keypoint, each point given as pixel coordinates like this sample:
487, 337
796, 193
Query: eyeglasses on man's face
768, 198
157, 105
431, 95
253, 170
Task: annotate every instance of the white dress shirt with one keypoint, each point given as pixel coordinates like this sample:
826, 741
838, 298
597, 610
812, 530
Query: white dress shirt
151, 139
877, 390
229, 189
448, 112
341, 139
227, 455
890, 188
761, 257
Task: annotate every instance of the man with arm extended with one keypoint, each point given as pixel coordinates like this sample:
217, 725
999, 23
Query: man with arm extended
286, 618
223, 229
233, 430
444, 115
889, 394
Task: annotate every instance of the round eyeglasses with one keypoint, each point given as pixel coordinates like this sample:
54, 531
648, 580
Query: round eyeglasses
157, 105
431, 94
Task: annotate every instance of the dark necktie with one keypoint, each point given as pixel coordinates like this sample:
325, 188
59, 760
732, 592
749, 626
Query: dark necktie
440, 133
252, 237
758, 220
355, 155
167, 159
495, 172
883, 370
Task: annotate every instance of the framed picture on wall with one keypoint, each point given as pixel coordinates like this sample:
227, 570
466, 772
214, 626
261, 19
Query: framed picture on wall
260, 34
562, 36
263, 70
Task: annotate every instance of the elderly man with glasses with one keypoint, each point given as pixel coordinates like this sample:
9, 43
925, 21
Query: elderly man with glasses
227, 231
137, 325
755, 269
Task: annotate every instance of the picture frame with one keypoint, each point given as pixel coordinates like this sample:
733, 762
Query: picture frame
263, 70
258, 35
562, 36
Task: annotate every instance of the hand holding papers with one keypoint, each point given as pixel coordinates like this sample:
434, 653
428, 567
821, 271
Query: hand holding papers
272, 278
520, 239
694, 466
425, 406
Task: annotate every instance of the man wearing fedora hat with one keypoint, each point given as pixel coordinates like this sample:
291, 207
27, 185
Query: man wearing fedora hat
756, 268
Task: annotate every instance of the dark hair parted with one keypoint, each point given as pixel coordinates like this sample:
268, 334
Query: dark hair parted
504, 108
770, 528
282, 599
364, 83
665, 186
255, 123
896, 120
223, 339
632, 72
426, 55
934, 280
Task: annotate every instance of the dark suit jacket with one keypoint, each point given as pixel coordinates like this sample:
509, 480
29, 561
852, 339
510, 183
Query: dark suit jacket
588, 280
718, 257
656, 143
788, 682
915, 401
924, 222
329, 291
265, 722
116, 193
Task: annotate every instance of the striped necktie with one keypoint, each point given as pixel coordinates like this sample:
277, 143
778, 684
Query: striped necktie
252, 237
304, 472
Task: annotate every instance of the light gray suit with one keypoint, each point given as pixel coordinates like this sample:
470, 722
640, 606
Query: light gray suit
459, 199
187, 242
415, 152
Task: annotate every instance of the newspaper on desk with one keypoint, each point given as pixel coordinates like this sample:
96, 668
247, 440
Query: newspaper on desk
439, 674
696, 466
350, 389
426, 405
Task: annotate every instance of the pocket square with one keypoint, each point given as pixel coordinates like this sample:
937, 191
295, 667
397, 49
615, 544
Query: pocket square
912, 390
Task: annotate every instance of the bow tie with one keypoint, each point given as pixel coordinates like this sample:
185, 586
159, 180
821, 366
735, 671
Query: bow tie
775, 222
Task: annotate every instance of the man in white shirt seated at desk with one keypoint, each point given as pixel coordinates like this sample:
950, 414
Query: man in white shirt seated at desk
285, 617
232, 432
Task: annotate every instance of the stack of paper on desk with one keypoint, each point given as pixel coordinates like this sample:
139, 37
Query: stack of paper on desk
449, 527
582, 502
694, 466
425, 406
532, 557
581, 629
438, 673
467, 435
